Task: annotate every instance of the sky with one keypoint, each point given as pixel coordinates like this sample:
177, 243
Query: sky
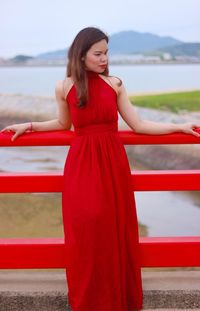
31, 27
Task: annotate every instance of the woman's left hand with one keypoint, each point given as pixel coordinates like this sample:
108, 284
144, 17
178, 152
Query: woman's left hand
191, 128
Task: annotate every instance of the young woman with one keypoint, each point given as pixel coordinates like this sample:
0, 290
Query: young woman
99, 213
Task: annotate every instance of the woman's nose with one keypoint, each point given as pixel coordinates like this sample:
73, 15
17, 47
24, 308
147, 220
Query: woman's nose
104, 58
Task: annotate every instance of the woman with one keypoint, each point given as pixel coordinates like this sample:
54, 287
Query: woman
99, 215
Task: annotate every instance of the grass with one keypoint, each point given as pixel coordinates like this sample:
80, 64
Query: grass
31, 215
174, 102
34, 215
40, 215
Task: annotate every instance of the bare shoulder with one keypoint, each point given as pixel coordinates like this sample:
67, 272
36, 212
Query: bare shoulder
114, 82
62, 87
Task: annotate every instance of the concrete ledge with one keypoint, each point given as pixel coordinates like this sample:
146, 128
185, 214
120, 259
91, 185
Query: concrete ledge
33, 301
33, 290
174, 289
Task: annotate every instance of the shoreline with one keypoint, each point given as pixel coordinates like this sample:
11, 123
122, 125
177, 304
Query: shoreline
45, 106
130, 93
170, 91
40, 108
137, 63
37, 108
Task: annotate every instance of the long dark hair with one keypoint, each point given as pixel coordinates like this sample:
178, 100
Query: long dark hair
75, 66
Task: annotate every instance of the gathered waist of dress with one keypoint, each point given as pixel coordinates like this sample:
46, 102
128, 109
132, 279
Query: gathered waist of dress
97, 128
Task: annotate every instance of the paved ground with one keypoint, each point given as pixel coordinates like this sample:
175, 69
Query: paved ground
35, 290
30, 280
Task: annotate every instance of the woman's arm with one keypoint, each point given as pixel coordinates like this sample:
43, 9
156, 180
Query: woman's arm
131, 117
63, 122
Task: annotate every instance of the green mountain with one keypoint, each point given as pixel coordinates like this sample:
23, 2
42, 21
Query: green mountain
184, 49
59, 54
129, 42
125, 42
20, 58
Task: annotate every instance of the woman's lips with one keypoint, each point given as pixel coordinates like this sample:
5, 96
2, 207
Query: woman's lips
103, 66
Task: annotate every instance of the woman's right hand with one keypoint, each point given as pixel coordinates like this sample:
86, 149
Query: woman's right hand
19, 129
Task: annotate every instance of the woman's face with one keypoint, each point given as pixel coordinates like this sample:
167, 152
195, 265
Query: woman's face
96, 58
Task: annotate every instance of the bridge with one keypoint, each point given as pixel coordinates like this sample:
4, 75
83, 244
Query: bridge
36, 291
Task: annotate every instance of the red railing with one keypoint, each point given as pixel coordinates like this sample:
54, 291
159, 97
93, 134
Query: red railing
50, 252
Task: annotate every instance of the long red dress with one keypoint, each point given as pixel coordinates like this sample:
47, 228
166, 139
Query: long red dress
99, 215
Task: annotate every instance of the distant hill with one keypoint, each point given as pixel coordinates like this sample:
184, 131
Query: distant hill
189, 49
20, 58
125, 42
129, 42
58, 54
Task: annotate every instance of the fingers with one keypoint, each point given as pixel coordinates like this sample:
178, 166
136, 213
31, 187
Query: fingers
14, 136
196, 129
192, 129
195, 133
17, 133
7, 129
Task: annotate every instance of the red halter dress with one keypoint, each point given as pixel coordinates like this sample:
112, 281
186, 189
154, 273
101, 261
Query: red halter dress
99, 214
